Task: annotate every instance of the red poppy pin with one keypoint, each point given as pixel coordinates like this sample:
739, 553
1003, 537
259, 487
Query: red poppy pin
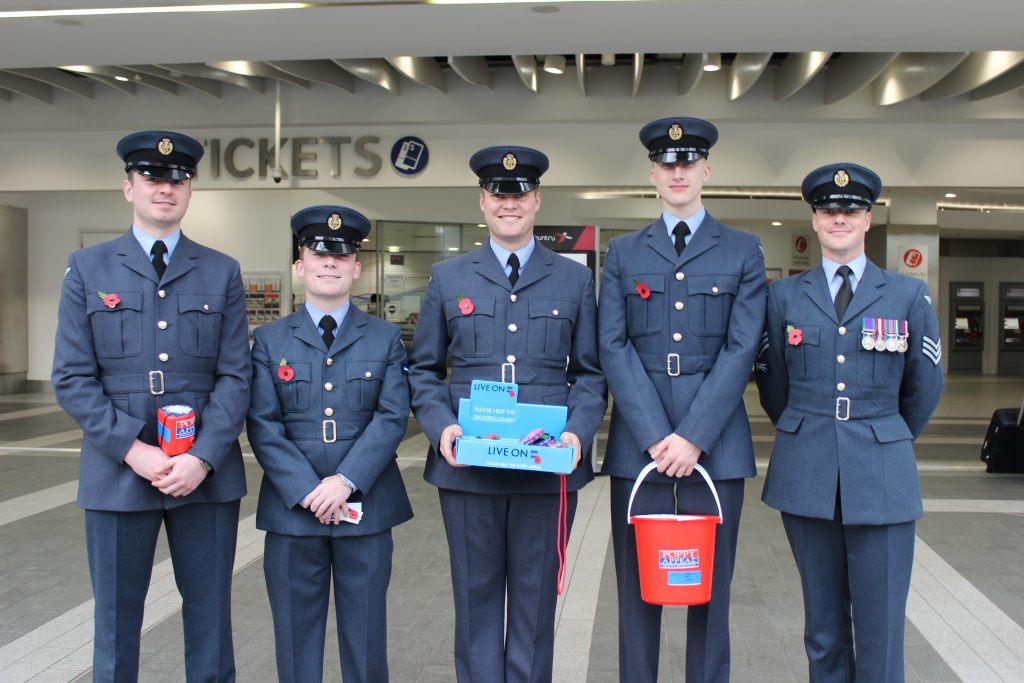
465, 305
284, 371
643, 290
110, 300
795, 335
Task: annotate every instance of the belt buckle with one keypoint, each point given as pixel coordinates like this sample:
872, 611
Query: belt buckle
333, 430
678, 369
841, 402
511, 367
154, 377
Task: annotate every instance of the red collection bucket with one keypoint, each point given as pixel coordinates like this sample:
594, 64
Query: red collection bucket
675, 553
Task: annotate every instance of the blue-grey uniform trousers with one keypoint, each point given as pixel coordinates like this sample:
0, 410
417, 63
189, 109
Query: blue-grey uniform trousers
298, 571
510, 545
121, 546
858, 568
707, 659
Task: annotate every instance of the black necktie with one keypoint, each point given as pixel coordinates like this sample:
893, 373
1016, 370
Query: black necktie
680, 232
157, 252
513, 263
845, 292
327, 324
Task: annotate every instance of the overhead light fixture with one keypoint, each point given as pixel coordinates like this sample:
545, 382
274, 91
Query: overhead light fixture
608, 59
712, 61
167, 9
555, 64
394, 249
951, 195
776, 223
123, 79
478, 244
453, 248
481, 225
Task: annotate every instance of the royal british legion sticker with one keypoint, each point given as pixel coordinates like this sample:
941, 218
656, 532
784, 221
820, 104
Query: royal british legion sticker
510, 161
334, 222
675, 131
165, 146
841, 178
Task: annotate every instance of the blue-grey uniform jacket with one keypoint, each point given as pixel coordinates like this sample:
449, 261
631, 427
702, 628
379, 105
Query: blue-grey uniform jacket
546, 326
343, 411
678, 359
185, 335
847, 417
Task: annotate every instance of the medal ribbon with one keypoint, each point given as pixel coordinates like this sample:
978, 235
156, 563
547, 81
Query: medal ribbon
878, 329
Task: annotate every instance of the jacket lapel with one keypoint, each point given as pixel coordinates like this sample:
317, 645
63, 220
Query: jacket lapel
134, 257
657, 239
814, 286
306, 330
486, 264
351, 331
184, 259
540, 265
705, 238
869, 290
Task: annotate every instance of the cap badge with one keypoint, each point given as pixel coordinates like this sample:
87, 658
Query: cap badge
675, 132
165, 146
841, 178
510, 162
334, 222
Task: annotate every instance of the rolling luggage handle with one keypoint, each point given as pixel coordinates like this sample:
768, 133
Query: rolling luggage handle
652, 465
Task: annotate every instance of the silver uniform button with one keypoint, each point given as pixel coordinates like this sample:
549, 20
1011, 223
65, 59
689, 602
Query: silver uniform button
842, 331
840, 359
513, 327
162, 294
328, 387
677, 337
514, 298
163, 357
714, 290
841, 386
680, 305
206, 307
510, 359
554, 312
367, 374
680, 276
330, 361
328, 411
162, 324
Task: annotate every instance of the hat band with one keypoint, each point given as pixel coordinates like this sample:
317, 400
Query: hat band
843, 197
510, 179
177, 167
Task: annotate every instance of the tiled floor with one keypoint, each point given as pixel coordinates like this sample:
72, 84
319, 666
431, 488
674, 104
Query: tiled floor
965, 619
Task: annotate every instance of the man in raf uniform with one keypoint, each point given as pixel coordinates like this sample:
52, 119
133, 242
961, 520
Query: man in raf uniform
148, 320
682, 306
330, 404
511, 304
849, 374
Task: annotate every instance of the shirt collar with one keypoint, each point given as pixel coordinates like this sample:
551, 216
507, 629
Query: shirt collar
857, 265
524, 253
147, 241
338, 314
693, 222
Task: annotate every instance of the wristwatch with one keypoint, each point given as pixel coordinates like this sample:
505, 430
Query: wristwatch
206, 466
346, 481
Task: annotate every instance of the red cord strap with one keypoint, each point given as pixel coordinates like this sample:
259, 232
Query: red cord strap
563, 532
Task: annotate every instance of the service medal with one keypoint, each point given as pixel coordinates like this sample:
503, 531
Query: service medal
867, 342
891, 343
879, 338
867, 333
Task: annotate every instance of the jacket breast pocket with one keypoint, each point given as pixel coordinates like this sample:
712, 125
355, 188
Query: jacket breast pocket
363, 380
472, 332
710, 301
803, 360
645, 303
199, 322
117, 331
878, 369
293, 395
550, 329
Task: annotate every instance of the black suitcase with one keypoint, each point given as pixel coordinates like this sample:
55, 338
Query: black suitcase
1003, 450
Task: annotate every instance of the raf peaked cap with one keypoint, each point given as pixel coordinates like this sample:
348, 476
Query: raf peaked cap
678, 139
509, 169
841, 186
326, 228
160, 154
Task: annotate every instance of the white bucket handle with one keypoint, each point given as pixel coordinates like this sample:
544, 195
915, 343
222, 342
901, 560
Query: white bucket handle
647, 470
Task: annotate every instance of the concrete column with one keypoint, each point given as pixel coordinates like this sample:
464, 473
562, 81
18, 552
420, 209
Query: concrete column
13, 299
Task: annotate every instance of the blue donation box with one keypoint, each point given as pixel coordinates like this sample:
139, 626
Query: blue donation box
498, 431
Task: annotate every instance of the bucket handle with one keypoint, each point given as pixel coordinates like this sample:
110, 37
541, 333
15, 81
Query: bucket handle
647, 470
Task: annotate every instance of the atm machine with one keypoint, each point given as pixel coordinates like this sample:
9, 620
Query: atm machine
1011, 328
966, 327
